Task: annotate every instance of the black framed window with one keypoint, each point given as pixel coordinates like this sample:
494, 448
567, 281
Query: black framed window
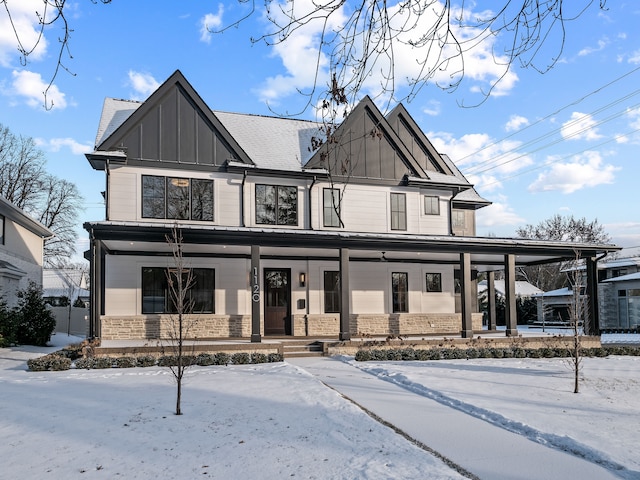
331, 292
157, 299
331, 207
276, 205
177, 198
400, 292
434, 282
398, 211
431, 205
1, 229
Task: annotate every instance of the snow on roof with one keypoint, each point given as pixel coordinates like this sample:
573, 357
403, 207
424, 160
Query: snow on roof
272, 142
523, 289
624, 278
114, 114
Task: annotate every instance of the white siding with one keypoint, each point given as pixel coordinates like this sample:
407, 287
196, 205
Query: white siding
124, 195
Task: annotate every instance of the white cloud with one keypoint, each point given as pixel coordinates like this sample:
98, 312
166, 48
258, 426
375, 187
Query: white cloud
498, 214
300, 57
516, 122
634, 57
143, 84
584, 171
589, 50
433, 108
31, 86
211, 21
625, 234
581, 126
27, 27
56, 144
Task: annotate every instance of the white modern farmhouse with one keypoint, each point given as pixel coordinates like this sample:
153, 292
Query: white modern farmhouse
372, 233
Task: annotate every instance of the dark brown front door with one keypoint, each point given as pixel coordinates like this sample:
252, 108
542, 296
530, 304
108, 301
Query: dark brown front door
277, 309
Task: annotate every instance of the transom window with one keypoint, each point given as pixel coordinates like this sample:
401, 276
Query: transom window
398, 211
157, 299
276, 205
400, 292
177, 198
431, 205
434, 282
331, 207
331, 292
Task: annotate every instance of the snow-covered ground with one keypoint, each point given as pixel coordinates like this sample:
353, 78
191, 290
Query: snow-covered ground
274, 421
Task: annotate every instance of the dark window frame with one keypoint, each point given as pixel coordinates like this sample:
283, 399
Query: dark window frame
331, 287
165, 200
277, 211
156, 298
2, 223
331, 212
400, 292
433, 282
431, 205
398, 211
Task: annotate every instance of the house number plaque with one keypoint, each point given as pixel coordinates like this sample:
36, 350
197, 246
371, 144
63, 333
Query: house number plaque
255, 285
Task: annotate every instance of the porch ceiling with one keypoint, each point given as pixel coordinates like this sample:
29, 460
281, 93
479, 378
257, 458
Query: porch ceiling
486, 253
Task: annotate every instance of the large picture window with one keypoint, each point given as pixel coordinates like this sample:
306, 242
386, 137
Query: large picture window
156, 297
331, 207
398, 211
331, 292
400, 292
177, 198
276, 205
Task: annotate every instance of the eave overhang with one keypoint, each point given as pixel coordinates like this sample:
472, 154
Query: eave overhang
99, 159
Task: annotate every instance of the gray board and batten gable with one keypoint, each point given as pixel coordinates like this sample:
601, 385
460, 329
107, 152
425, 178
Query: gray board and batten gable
174, 125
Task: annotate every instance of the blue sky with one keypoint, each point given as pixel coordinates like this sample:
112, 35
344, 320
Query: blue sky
564, 142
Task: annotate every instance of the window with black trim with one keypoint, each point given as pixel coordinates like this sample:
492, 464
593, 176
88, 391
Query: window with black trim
276, 205
331, 292
331, 207
400, 292
398, 211
434, 282
156, 297
1, 229
431, 205
177, 198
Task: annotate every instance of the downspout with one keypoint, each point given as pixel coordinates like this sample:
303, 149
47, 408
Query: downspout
106, 192
309, 207
244, 180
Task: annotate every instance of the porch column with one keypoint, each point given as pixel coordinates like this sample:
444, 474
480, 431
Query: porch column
96, 301
254, 281
510, 312
465, 295
591, 322
491, 300
345, 297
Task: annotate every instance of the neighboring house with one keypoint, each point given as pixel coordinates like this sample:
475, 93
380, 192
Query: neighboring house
64, 284
372, 233
523, 289
618, 294
21, 250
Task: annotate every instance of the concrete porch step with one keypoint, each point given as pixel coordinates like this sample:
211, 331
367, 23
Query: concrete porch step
301, 349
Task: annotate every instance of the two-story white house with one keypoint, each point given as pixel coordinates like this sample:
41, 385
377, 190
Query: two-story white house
21, 250
370, 234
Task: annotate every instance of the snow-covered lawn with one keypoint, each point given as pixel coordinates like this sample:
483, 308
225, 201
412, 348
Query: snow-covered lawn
275, 420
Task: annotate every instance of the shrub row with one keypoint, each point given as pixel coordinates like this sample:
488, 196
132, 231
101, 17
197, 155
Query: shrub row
365, 355
62, 360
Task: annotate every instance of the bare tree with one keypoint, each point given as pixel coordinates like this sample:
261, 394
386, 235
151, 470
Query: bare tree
579, 318
560, 228
54, 202
179, 281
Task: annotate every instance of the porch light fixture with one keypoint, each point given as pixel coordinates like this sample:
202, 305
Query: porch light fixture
303, 279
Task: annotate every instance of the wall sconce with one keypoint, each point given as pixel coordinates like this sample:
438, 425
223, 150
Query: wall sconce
303, 279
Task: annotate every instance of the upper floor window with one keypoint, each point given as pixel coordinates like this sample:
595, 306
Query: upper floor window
398, 211
177, 198
157, 299
458, 219
431, 205
331, 292
434, 282
331, 207
1, 229
400, 292
276, 205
